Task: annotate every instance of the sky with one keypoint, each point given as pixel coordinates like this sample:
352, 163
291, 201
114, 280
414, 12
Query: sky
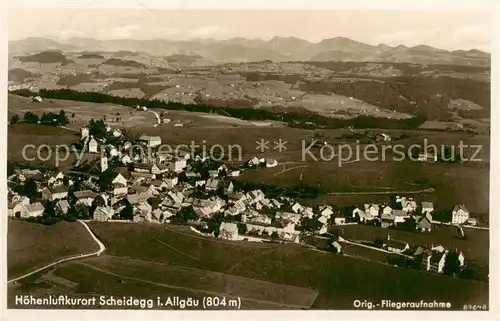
449, 30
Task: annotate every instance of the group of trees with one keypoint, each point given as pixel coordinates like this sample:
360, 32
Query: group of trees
46, 118
294, 119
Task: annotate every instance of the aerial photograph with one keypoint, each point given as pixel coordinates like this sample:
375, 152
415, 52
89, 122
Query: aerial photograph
248, 159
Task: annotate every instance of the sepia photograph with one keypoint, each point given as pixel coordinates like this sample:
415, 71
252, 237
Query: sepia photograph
163, 158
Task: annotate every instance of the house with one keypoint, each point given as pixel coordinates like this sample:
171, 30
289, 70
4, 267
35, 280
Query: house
427, 157
395, 246
234, 173
62, 207
387, 210
228, 187
159, 169
434, 260
92, 145
399, 216
32, 210
326, 211
119, 189
151, 141
117, 133
119, 179
213, 173
372, 209
138, 198
142, 212
424, 222
142, 168
271, 163
126, 159
407, 205
212, 184
85, 197
55, 193
386, 220
297, 208
363, 216
56, 180
15, 207
228, 231
427, 207
460, 214
339, 220
103, 213
171, 181
255, 161
179, 165
159, 185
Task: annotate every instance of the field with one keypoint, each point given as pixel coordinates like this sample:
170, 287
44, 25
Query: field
31, 245
284, 264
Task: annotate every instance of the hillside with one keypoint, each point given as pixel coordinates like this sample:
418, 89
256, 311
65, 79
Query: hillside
276, 49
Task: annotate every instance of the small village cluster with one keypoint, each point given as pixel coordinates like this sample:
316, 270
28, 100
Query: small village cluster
160, 187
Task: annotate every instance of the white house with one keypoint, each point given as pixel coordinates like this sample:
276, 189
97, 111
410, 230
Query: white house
460, 214
234, 173
271, 162
387, 210
32, 210
151, 141
297, 208
62, 206
16, 207
253, 162
228, 231
171, 181
92, 145
126, 159
339, 220
363, 216
427, 207
372, 209
85, 197
119, 179
119, 189
103, 213
117, 133
179, 165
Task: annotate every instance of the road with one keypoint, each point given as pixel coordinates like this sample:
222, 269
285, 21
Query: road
157, 117
74, 257
427, 190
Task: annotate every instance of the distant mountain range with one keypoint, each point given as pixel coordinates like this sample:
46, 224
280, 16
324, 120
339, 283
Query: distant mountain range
276, 49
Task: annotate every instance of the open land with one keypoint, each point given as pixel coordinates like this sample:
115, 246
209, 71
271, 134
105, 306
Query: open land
31, 245
247, 269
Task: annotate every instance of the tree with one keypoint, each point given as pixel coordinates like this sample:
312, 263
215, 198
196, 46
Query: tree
106, 178
72, 115
62, 119
30, 189
275, 235
31, 118
378, 242
451, 264
14, 119
242, 228
127, 213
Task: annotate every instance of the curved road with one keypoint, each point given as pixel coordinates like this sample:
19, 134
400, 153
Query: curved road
74, 257
157, 117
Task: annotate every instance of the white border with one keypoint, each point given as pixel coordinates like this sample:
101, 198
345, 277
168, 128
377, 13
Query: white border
444, 5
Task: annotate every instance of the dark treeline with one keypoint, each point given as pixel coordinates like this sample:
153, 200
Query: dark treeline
299, 120
427, 96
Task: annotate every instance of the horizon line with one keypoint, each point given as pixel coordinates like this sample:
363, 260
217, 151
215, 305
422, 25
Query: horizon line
63, 39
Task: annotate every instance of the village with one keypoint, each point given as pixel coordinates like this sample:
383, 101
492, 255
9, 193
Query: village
192, 189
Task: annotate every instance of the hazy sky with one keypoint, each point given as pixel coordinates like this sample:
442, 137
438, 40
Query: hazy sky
442, 29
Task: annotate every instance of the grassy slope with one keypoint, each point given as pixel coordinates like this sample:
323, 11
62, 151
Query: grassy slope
31, 246
340, 280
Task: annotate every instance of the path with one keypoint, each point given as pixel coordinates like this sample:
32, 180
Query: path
427, 190
157, 117
74, 257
